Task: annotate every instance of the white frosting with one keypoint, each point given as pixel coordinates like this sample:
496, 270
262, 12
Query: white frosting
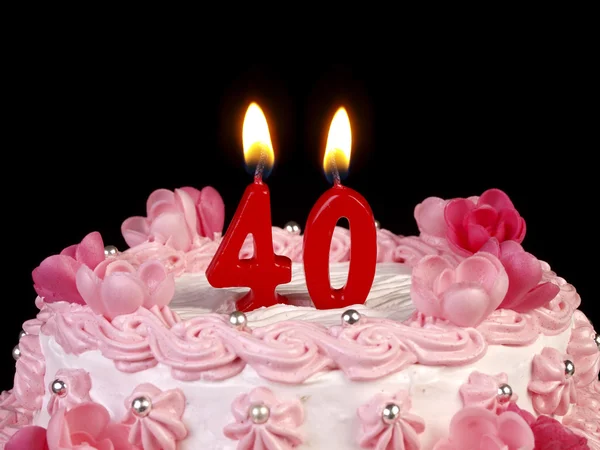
389, 297
330, 399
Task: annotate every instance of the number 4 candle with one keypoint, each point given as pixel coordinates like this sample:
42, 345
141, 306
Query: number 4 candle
339, 201
265, 270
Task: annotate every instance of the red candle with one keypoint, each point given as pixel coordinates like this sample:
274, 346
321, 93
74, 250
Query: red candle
334, 204
264, 271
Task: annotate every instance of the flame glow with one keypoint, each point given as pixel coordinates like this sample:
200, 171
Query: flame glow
339, 144
257, 140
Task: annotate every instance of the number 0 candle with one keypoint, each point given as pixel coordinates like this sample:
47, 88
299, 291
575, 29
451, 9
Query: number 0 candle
336, 203
264, 271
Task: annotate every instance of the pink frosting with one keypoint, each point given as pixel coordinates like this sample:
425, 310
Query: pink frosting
162, 428
281, 430
585, 416
465, 295
507, 327
29, 377
28, 438
115, 287
12, 416
583, 349
468, 223
555, 317
177, 218
476, 428
551, 389
481, 390
525, 289
410, 249
54, 278
78, 385
402, 433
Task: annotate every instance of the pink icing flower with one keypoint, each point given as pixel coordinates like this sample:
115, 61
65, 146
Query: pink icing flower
549, 433
177, 218
468, 223
482, 390
525, 292
77, 385
159, 427
379, 433
274, 427
115, 287
54, 278
464, 295
474, 428
585, 351
552, 389
85, 427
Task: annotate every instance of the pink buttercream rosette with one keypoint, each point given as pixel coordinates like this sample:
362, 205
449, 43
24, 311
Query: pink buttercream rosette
177, 219
78, 385
115, 287
54, 278
162, 428
464, 295
85, 427
280, 431
481, 390
551, 389
476, 428
402, 433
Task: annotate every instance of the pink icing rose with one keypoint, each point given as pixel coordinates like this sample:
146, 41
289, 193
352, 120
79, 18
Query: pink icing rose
85, 427
468, 223
115, 287
54, 278
401, 432
465, 295
177, 218
525, 292
549, 433
482, 390
77, 390
552, 389
585, 351
161, 428
474, 428
277, 430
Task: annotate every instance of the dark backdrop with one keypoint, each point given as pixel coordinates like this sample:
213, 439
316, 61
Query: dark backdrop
94, 140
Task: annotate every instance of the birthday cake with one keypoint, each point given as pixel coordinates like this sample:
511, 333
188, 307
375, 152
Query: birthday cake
464, 341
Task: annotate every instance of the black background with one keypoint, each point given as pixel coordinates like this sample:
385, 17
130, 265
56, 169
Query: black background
93, 140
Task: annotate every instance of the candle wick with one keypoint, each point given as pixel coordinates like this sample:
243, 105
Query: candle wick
334, 170
260, 167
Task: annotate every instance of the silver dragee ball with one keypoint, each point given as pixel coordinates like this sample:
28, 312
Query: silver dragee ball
377, 225
58, 387
110, 250
350, 317
16, 352
259, 413
390, 413
238, 319
504, 393
569, 368
141, 406
597, 340
22, 334
292, 228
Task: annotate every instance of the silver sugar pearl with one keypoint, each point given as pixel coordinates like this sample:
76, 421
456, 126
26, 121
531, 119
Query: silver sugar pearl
22, 334
238, 319
505, 393
58, 387
569, 368
350, 317
259, 413
390, 413
16, 352
141, 406
292, 227
597, 340
110, 250
377, 225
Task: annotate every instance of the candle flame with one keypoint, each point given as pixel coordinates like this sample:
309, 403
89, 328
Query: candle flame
339, 145
258, 149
